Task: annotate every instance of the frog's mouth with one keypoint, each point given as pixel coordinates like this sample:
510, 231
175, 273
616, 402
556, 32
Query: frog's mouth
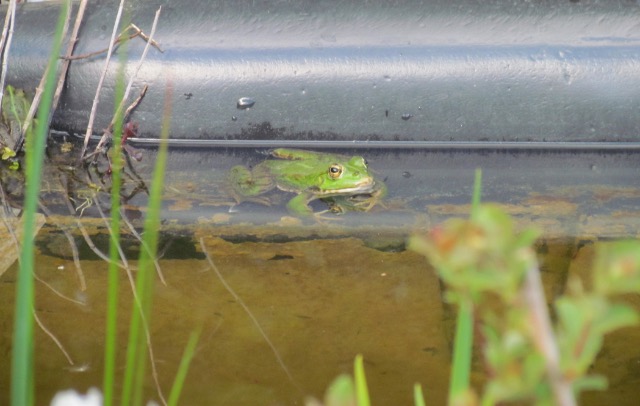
363, 186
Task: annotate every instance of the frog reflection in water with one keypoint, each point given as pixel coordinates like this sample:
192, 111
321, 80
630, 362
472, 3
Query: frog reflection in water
311, 175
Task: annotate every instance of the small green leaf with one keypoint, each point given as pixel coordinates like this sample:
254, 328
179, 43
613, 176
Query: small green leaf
341, 392
617, 267
362, 392
418, 397
583, 321
590, 382
7, 153
616, 316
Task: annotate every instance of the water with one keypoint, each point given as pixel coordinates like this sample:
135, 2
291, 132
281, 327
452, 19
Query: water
295, 301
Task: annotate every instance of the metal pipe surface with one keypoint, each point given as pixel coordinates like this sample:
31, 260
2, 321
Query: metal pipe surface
404, 71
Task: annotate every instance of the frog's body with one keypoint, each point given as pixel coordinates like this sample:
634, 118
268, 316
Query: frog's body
311, 175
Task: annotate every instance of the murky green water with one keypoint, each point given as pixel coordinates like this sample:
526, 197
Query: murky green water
313, 295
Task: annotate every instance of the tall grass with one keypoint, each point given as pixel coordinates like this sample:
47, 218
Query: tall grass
181, 375
362, 391
137, 343
22, 364
463, 340
114, 244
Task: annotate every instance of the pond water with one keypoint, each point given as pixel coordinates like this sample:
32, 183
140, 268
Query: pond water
291, 302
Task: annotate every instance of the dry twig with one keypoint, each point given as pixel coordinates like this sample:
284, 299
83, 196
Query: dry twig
109, 130
253, 318
84, 232
40, 88
133, 77
123, 258
144, 245
65, 64
7, 35
53, 337
57, 292
96, 98
544, 338
137, 32
72, 245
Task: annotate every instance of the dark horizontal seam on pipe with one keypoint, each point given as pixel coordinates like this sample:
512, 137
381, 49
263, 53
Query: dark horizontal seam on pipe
428, 145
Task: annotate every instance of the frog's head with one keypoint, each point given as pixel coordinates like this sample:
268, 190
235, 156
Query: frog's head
347, 177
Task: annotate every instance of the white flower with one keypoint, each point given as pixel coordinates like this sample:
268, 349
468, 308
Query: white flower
73, 398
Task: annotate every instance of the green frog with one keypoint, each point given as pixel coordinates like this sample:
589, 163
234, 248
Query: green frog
310, 175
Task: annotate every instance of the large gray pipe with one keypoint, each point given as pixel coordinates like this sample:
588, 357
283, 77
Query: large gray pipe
385, 70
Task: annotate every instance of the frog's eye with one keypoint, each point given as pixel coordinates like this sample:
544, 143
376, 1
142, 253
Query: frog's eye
335, 171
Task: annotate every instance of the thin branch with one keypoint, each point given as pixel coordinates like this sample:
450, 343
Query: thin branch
40, 89
70, 47
56, 292
108, 131
9, 23
132, 106
10, 229
5, 28
137, 33
96, 98
246, 309
544, 339
83, 231
123, 258
5, 204
53, 337
144, 245
72, 245
133, 77
146, 37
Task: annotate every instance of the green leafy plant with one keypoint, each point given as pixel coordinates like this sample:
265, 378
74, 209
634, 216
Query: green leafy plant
490, 269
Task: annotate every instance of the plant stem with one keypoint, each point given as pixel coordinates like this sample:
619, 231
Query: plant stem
463, 340
544, 339
22, 359
477, 193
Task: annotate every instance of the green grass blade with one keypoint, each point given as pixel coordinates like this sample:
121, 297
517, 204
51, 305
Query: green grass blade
418, 397
181, 375
362, 392
477, 192
111, 330
112, 321
463, 341
113, 276
132, 350
461, 369
136, 350
22, 358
